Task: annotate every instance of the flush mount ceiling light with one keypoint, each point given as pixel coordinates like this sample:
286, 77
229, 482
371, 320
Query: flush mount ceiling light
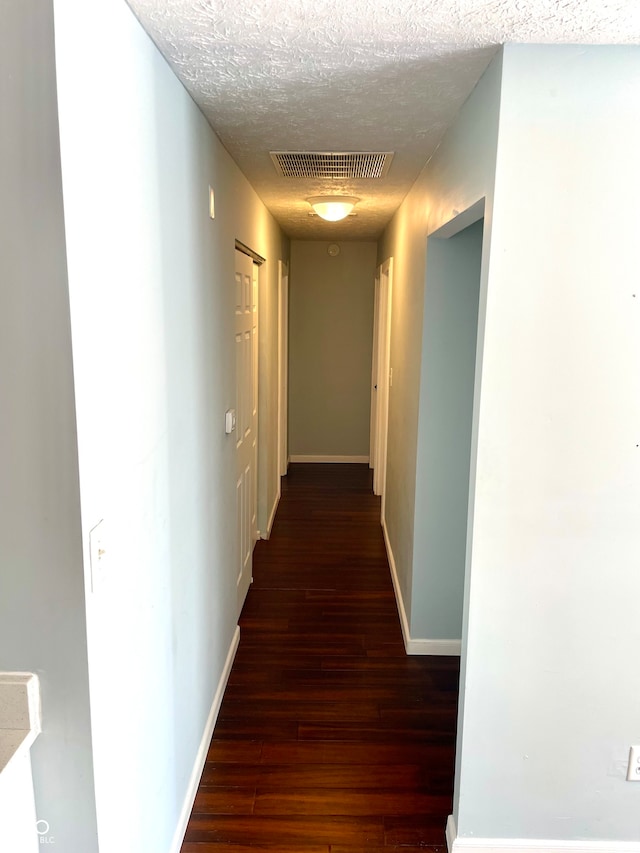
333, 208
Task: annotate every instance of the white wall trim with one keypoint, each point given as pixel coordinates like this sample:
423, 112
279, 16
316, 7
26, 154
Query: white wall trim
435, 647
201, 756
415, 646
404, 622
451, 832
532, 845
272, 515
305, 458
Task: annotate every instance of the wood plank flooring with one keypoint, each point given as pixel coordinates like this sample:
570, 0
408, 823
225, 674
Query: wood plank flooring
329, 738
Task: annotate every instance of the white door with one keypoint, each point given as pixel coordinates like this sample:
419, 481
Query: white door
384, 379
246, 340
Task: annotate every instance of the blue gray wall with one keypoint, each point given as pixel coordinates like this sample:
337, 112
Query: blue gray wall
447, 379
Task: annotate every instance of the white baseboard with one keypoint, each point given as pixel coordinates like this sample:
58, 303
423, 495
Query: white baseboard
404, 622
434, 647
272, 515
532, 845
303, 458
451, 832
201, 756
414, 646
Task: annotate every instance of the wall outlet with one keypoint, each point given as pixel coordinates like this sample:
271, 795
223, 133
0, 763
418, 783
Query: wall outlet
633, 769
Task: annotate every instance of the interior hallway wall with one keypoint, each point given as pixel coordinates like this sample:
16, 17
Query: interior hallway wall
549, 700
330, 348
42, 615
460, 173
447, 379
552, 692
147, 318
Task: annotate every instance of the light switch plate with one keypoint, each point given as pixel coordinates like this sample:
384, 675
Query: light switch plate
633, 769
98, 554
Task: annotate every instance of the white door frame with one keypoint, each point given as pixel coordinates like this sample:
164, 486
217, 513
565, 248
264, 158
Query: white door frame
373, 423
255, 283
283, 368
385, 275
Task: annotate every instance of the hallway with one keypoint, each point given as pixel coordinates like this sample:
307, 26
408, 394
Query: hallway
329, 739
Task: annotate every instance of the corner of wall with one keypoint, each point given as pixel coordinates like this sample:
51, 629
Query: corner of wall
414, 646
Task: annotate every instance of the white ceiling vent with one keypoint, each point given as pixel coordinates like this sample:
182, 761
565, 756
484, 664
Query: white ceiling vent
332, 164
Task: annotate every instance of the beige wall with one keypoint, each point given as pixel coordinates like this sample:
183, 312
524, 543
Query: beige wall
331, 332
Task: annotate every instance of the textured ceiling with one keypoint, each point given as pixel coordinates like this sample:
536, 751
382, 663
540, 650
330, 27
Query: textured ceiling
349, 75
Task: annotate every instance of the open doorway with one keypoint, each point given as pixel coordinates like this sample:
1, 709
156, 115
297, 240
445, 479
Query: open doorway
448, 389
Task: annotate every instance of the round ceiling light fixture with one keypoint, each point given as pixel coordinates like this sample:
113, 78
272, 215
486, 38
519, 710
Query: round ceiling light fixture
333, 208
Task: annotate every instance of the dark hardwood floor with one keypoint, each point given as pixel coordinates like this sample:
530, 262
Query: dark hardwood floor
329, 739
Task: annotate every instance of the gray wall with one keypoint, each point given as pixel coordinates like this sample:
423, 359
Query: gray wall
151, 283
552, 686
460, 173
135, 318
447, 381
331, 333
550, 689
42, 615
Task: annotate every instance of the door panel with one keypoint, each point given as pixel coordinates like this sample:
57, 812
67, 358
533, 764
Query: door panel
246, 346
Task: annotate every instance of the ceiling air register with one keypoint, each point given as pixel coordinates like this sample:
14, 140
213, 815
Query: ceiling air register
332, 164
